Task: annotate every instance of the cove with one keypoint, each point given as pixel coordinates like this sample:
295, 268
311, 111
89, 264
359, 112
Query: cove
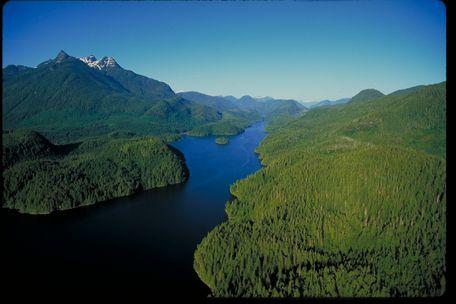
145, 241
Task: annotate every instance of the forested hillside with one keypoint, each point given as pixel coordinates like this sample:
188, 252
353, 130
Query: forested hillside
40, 177
234, 119
352, 202
65, 99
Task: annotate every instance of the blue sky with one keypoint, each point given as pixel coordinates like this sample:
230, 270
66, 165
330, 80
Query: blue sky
303, 50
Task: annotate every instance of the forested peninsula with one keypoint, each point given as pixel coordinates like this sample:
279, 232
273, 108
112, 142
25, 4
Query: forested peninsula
40, 177
351, 202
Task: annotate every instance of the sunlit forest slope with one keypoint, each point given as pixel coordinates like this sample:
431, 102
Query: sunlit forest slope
351, 202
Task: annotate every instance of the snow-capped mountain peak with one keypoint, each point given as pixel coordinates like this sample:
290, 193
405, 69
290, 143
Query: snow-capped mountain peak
88, 59
108, 62
103, 63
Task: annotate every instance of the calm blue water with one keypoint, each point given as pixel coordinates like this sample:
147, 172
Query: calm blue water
144, 241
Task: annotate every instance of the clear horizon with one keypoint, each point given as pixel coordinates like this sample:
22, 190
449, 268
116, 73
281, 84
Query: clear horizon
308, 51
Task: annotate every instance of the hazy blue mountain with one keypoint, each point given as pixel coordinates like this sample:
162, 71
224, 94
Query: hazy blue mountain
322, 103
328, 102
340, 101
231, 98
308, 104
263, 106
267, 98
247, 102
268, 106
217, 102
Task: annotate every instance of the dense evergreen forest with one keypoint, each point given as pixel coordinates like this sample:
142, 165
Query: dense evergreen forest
40, 177
67, 100
351, 202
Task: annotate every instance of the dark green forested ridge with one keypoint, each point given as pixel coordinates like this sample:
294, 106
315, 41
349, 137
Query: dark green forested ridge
65, 99
137, 84
40, 177
14, 70
25, 145
408, 90
366, 95
352, 202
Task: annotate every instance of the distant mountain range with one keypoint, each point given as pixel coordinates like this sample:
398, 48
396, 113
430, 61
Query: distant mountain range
367, 94
268, 106
218, 102
265, 107
67, 98
239, 113
328, 102
363, 95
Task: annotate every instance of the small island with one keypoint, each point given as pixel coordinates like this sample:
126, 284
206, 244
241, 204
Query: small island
221, 140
